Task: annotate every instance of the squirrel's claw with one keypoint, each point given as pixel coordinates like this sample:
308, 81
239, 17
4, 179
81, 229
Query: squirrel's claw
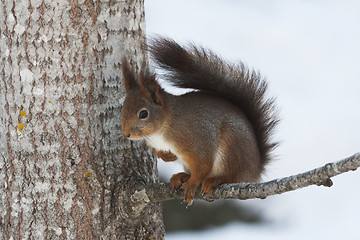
187, 203
189, 192
188, 197
208, 184
206, 189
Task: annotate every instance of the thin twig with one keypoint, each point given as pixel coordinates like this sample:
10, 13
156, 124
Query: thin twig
319, 176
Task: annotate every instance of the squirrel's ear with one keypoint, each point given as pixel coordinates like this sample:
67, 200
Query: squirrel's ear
128, 76
149, 87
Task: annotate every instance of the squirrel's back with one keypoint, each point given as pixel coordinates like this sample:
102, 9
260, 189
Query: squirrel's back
200, 69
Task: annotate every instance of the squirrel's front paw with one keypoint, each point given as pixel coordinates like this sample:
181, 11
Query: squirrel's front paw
178, 179
166, 156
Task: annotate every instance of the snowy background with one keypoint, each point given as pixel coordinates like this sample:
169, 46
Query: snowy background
309, 51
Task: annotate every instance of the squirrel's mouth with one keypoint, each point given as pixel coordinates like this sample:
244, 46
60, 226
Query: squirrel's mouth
134, 137
132, 134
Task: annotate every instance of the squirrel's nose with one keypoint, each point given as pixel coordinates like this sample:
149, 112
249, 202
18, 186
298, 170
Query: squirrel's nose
125, 134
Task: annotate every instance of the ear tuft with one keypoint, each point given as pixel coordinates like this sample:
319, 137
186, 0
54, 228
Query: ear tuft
149, 87
128, 76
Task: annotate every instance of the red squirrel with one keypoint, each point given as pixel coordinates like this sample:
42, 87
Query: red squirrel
220, 131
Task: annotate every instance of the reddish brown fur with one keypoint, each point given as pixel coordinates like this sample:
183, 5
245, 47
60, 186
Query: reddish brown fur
215, 135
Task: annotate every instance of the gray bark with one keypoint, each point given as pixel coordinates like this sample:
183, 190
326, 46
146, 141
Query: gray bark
65, 171
319, 176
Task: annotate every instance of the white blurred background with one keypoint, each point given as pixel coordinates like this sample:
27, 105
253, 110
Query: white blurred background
309, 51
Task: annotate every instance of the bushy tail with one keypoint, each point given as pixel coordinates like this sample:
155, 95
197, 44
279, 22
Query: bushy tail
198, 68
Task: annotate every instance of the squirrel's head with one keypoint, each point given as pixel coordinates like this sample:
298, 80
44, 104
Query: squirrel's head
143, 110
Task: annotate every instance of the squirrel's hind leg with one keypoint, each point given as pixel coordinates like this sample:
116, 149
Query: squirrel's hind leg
200, 168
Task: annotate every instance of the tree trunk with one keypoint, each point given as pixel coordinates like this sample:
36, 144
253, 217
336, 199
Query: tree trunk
65, 171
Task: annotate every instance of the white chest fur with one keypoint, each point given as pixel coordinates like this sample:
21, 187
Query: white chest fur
158, 142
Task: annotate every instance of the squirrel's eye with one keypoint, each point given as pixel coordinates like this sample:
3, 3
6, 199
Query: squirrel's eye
143, 114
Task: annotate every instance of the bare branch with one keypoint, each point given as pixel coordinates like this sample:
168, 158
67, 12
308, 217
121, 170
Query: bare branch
319, 176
